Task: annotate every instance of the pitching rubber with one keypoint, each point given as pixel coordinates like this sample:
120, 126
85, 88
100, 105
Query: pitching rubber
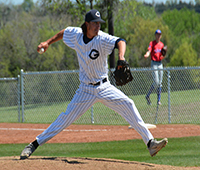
149, 126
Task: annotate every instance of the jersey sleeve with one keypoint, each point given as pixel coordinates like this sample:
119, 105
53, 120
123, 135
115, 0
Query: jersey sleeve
70, 36
150, 46
108, 42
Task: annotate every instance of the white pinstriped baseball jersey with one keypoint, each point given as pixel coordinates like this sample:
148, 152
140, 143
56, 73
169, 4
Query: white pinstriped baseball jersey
92, 56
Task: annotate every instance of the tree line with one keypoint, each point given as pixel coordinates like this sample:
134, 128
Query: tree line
24, 26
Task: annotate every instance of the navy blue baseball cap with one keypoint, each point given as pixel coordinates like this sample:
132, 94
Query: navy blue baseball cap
93, 16
158, 31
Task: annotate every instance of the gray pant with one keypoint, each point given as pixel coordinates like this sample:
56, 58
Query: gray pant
157, 74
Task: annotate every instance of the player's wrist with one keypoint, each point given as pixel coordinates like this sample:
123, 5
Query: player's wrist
121, 58
148, 53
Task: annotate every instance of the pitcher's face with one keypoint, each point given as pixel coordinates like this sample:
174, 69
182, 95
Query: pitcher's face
92, 29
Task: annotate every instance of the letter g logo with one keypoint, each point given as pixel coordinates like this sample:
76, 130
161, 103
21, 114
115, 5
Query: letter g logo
94, 54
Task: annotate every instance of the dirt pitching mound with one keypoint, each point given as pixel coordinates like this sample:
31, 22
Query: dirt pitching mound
52, 163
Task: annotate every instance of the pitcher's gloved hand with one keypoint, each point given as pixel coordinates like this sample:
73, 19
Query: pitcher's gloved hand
122, 73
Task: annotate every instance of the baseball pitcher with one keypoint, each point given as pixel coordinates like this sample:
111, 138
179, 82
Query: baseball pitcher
93, 47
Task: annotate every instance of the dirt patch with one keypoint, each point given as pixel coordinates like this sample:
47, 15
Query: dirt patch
26, 133
52, 163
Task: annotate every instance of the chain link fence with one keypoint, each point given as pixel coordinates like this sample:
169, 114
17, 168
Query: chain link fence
44, 95
47, 94
10, 99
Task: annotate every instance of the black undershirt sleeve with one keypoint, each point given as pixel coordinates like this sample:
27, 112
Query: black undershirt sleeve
118, 40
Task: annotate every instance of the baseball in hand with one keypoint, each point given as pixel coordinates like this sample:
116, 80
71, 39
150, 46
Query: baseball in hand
41, 50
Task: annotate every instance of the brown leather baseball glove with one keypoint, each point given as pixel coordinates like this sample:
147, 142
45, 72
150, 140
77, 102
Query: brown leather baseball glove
164, 51
122, 73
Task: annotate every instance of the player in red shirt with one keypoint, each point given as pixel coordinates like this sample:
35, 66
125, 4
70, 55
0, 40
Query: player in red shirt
154, 49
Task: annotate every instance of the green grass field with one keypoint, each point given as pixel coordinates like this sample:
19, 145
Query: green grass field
185, 106
179, 151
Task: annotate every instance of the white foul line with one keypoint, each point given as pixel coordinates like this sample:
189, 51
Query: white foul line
68, 130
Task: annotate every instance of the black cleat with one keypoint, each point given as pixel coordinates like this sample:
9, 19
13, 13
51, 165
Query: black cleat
28, 150
156, 146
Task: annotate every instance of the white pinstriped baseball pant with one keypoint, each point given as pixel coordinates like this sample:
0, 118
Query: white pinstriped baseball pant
85, 97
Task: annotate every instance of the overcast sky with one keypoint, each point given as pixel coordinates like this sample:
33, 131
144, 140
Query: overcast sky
148, 1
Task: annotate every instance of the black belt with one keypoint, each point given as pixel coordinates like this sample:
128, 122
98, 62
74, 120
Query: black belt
157, 61
98, 83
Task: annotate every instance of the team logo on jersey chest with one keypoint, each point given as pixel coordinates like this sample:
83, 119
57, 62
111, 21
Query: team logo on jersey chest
157, 50
94, 54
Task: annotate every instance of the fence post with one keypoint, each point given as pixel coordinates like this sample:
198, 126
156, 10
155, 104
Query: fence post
169, 107
22, 94
92, 115
18, 96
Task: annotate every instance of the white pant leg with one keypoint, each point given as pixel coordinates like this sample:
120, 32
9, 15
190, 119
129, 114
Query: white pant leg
81, 102
120, 103
157, 75
160, 75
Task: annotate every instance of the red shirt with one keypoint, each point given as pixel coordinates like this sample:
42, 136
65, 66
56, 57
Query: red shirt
155, 49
